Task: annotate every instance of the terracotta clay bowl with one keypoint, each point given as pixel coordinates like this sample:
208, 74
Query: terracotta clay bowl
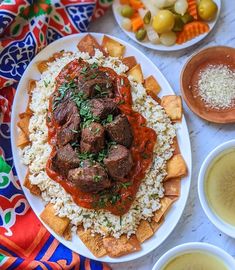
219, 55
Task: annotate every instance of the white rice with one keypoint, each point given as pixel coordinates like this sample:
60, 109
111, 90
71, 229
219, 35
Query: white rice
35, 156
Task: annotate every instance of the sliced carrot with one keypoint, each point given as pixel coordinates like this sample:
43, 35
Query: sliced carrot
192, 30
192, 8
136, 22
136, 4
124, 2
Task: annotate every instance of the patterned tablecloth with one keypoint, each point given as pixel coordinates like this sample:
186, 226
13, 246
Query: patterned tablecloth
27, 26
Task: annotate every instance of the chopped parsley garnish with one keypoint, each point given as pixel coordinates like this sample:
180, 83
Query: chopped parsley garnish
63, 89
109, 119
101, 203
108, 223
111, 143
86, 114
74, 131
115, 198
154, 196
98, 88
104, 93
102, 155
130, 198
48, 119
94, 157
107, 198
78, 98
100, 92
145, 155
86, 155
96, 131
126, 184
94, 65
97, 178
74, 144
121, 101
94, 75
46, 83
84, 70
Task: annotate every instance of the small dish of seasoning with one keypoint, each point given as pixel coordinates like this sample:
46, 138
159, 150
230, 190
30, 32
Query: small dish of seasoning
208, 84
216, 187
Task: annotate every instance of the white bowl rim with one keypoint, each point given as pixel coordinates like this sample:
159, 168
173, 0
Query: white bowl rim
213, 217
195, 246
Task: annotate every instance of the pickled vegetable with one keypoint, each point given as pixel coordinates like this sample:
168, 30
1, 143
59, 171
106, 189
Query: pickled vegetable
126, 24
141, 34
179, 24
163, 22
192, 8
186, 18
136, 23
127, 11
164, 3
192, 30
150, 5
168, 39
207, 10
181, 7
147, 17
152, 35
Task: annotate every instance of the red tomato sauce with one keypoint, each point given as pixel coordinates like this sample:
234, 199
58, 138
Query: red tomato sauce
141, 149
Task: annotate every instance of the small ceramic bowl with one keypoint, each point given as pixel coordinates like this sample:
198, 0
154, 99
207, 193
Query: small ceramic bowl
219, 55
213, 217
195, 247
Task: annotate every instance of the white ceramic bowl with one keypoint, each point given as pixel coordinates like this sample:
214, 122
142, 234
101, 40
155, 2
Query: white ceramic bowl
213, 217
195, 247
160, 47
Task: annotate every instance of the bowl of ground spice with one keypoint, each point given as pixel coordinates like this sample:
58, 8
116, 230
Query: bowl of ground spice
208, 84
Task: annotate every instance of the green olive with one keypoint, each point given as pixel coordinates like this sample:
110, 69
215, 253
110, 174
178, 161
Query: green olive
186, 18
127, 11
179, 25
141, 34
147, 17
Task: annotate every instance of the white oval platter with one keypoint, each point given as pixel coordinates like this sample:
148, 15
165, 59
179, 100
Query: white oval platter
20, 102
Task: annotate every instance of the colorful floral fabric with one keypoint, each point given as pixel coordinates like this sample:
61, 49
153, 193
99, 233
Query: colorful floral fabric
27, 26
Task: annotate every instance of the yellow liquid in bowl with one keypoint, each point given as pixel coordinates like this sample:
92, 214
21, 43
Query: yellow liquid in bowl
195, 261
220, 186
